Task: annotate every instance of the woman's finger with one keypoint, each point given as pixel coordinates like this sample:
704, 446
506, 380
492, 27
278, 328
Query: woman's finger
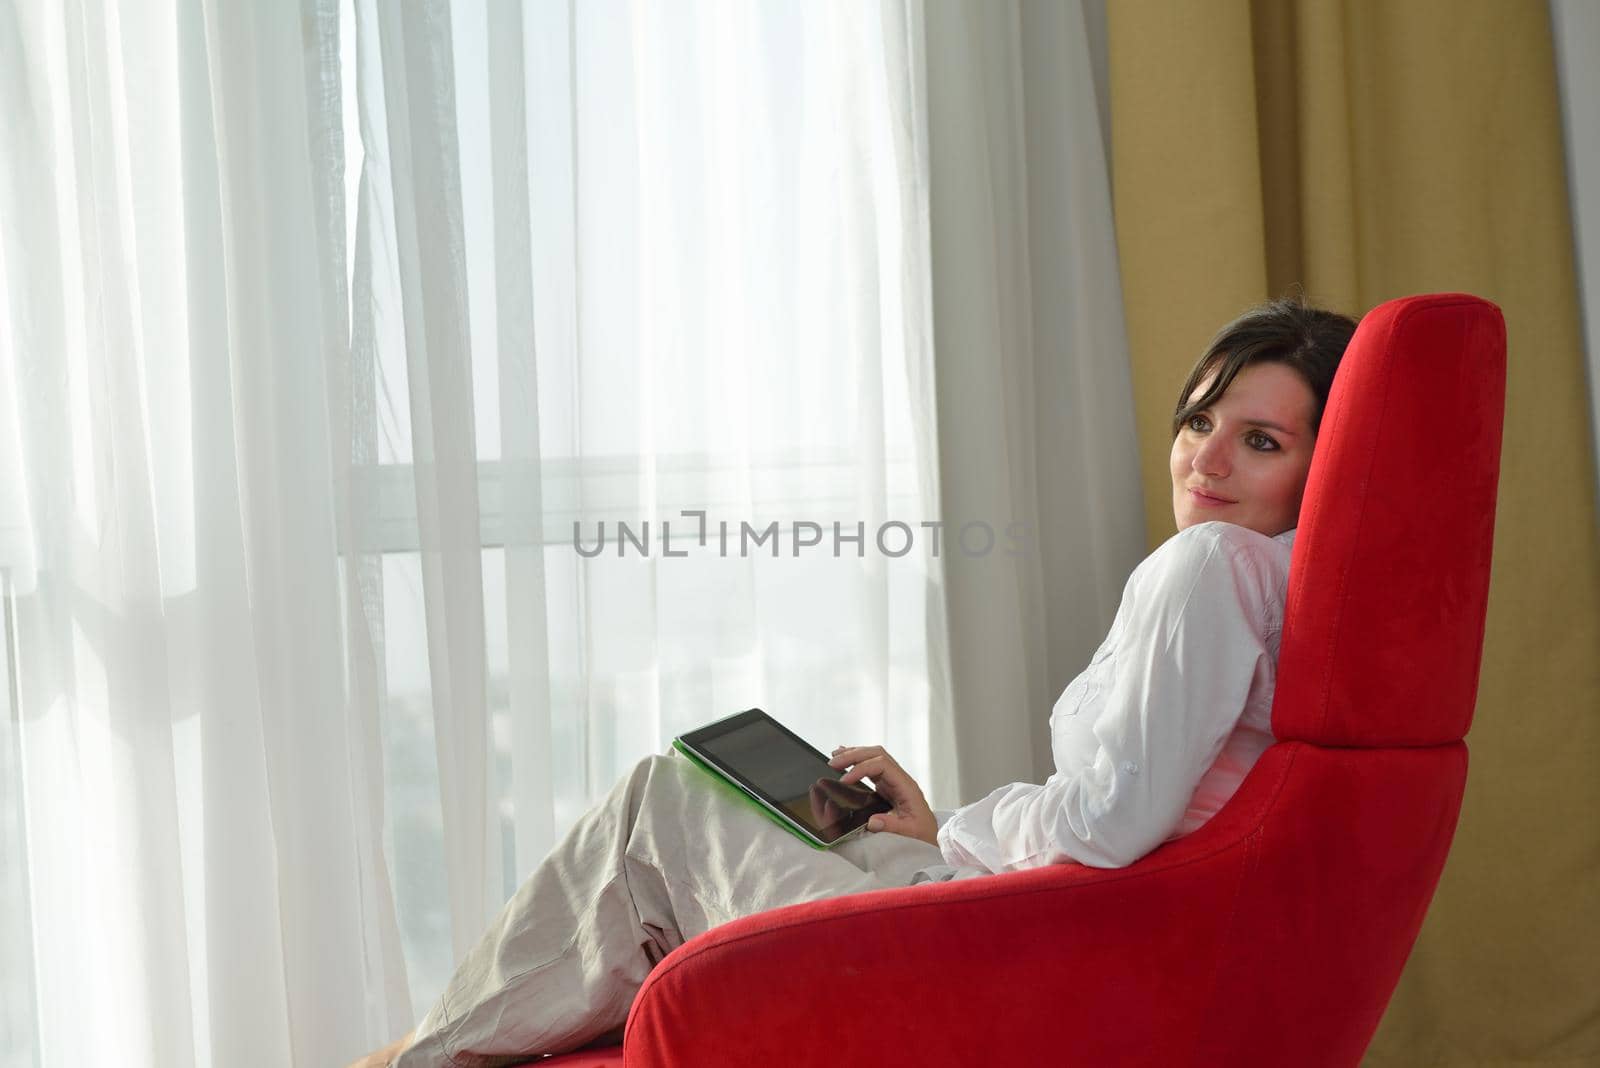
850, 754
847, 757
876, 767
919, 824
892, 783
898, 822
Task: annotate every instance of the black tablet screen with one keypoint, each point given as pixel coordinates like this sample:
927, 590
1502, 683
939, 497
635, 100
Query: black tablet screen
787, 773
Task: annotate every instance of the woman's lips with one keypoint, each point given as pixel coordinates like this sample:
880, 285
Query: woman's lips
1207, 499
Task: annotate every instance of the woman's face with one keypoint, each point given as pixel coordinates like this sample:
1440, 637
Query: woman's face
1244, 459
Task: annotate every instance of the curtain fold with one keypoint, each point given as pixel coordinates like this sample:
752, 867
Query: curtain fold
358, 215
1035, 400
277, 164
424, 201
528, 673
1365, 151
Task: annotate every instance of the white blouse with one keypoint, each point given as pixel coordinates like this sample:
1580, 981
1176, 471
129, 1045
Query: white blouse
1159, 730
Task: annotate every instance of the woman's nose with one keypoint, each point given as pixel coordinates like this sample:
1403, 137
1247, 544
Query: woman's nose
1211, 459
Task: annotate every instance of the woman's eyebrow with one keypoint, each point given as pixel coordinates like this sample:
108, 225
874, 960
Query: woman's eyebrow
1270, 426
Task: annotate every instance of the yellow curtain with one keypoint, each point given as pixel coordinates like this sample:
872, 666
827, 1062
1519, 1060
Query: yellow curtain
1366, 150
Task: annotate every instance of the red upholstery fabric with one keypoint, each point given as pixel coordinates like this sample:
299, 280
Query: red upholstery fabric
1276, 933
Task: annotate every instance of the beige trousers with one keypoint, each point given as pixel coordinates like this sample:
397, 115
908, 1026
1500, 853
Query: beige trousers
669, 854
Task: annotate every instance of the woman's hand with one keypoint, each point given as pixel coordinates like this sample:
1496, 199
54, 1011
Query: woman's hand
911, 816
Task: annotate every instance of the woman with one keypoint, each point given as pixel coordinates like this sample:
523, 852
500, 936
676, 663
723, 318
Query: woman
1149, 742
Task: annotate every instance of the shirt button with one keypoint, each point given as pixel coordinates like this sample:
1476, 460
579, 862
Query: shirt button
1130, 767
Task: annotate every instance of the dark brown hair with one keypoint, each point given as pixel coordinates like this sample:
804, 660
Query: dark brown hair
1288, 331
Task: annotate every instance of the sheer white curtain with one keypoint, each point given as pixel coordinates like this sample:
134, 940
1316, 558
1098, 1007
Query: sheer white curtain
329, 335
1575, 27
1035, 397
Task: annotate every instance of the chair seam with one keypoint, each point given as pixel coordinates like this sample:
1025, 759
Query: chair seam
1341, 598
1252, 843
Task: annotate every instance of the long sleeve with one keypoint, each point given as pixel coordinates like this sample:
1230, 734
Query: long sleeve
1190, 640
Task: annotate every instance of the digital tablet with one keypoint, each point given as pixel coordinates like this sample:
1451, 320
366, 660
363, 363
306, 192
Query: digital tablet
788, 778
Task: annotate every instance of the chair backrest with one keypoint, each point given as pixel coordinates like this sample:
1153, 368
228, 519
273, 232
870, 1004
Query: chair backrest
1383, 629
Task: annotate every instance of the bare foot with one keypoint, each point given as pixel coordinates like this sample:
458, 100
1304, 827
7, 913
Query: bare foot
384, 1057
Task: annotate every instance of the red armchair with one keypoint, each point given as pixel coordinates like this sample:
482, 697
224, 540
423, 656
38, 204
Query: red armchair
1276, 933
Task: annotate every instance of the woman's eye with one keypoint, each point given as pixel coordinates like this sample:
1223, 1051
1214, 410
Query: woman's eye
1198, 422
1260, 442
